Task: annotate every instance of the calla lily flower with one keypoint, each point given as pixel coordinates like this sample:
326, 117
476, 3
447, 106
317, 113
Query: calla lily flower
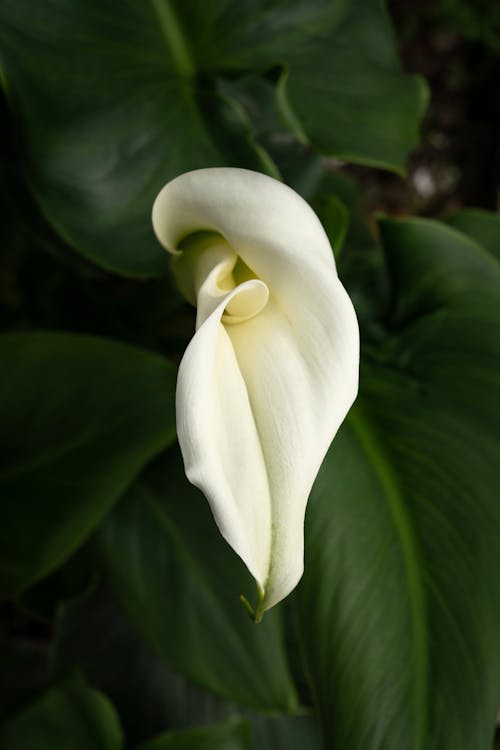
272, 368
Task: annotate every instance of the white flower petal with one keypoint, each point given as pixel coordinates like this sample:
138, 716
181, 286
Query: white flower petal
220, 443
273, 367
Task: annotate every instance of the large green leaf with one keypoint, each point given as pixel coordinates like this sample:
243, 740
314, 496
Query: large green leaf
109, 111
92, 634
80, 418
179, 582
115, 100
341, 86
482, 226
231, 735
400, 602
70, 716
285, 733
280, 733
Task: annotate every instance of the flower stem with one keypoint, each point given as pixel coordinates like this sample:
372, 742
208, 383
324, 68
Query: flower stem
258, 613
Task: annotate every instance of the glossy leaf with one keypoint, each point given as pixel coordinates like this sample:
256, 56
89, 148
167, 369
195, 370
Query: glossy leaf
481, 226
341, 86
70, 715
109, 111
399, 606
179, 583
113, 103
231, 735
81, 416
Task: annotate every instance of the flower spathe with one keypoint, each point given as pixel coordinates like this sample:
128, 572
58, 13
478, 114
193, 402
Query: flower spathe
272, 368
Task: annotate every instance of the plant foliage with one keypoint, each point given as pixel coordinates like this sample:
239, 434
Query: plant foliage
120, 622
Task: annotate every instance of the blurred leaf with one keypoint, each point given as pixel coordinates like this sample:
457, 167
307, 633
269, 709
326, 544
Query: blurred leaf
285, 733
335, 220
478, 21
81, 416
71, 580
360, 263
400, 602
232, 735
179, 583
24, 671
113, 103
93, 635
336, 182
71, 716
481, 226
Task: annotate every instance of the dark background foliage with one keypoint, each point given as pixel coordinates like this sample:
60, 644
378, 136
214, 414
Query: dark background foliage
455, 46
94, 612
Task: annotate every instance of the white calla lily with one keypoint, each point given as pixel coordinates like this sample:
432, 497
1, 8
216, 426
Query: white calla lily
273, 366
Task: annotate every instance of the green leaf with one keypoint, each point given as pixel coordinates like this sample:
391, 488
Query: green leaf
231, 735
335, 219
400, 603
481, 226
81, 416
360, 263
112, 104
70, 716
109, 111
285, 733
341, 87
92, 634
343, 90
179, 583
335, 182
71, 580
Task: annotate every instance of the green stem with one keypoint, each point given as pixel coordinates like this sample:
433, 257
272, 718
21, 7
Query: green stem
248, 607
258, 613
175, 38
